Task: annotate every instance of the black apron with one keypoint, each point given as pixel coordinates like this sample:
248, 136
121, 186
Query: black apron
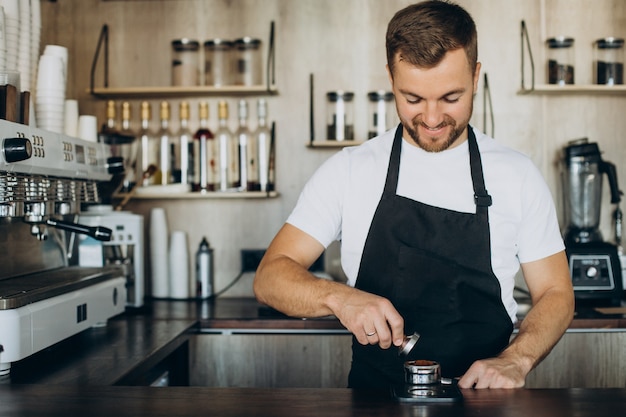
434, 265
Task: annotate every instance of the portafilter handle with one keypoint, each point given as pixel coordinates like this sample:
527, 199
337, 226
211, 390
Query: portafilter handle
97, 232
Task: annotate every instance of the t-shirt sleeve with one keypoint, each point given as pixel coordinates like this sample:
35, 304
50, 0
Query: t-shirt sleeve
319, 206
540, 235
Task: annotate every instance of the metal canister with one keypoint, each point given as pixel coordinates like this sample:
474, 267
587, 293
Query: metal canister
422, 372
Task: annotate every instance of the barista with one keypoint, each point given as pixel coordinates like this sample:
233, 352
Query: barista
426, 248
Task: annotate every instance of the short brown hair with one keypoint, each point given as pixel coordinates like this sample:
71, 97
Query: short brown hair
424, 32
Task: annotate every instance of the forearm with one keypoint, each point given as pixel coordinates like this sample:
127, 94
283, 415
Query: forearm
284, 284
541, 329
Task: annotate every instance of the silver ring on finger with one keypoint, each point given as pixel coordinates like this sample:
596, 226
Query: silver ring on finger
370, 334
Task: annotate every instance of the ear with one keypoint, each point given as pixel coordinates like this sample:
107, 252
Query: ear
476, 77
389, 75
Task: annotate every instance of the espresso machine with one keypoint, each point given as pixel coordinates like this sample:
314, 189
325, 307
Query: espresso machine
594, 262
45, 297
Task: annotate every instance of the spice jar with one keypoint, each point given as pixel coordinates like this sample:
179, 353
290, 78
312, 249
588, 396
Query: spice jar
560, 60
609, 60
248, 68
380, 108
185, 68
339, 121
218, 60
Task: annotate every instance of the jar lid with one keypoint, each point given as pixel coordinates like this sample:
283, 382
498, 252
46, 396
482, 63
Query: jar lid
340, 94
560, 42
380, 95
217, 42
185, 44
610, 43
247, 43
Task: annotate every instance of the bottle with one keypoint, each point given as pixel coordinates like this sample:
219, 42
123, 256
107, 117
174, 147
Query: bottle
184, 145
227, 145
147, 164
204, 270
265, 148
110, 124
128, 147
205, 170
248, 169
166, 151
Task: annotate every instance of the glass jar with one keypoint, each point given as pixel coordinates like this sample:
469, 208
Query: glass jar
380, 112
339, 115
560, 60
609, 60
185, 62
248, 64
218, 60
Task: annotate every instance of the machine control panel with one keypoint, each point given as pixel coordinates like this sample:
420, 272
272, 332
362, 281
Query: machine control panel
28, 150
592, 272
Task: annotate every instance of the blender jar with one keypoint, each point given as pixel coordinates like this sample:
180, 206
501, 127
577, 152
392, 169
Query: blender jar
560, 60
339, 115
609, 60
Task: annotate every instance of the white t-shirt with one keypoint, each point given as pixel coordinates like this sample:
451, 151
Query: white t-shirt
339, 201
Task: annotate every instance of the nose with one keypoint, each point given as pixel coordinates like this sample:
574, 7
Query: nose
432, 115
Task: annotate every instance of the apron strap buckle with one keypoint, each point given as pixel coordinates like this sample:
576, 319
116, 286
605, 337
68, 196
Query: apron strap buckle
482, 200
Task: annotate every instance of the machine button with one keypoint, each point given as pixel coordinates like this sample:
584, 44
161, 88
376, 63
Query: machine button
17, 149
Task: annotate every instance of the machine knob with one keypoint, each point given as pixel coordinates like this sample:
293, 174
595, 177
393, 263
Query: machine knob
592, 272
17, 149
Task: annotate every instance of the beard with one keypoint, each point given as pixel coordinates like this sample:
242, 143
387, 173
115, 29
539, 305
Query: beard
431, 144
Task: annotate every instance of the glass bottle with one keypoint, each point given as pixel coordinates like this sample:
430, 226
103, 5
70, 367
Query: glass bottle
184, 145
111, 113
205, 171
265, 148
227, 145
248, 167
128, 146
166, 148
147, 164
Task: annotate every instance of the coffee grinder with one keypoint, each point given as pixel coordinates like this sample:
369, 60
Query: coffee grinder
594, 263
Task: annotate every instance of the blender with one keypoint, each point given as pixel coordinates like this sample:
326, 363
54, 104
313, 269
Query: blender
594, 263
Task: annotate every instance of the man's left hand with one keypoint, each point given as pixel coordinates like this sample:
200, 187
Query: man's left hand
493, 373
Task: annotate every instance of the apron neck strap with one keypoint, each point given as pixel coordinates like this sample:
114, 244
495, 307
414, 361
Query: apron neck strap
481, 198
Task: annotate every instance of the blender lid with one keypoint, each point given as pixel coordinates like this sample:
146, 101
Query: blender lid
582, 149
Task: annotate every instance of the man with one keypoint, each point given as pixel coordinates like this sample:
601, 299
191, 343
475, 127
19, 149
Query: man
434, 219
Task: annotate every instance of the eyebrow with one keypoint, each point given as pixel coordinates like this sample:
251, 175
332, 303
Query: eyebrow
449, 93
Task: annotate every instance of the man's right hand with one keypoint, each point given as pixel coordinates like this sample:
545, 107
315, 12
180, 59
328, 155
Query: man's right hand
371, 318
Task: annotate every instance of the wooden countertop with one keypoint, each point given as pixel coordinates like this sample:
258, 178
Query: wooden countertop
62, 401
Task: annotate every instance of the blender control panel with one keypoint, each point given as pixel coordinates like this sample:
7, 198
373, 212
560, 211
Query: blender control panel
592, 272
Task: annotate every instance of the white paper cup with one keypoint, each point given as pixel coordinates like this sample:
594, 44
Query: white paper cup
71, 118
179, 265
51, 74
159, 260
88, 127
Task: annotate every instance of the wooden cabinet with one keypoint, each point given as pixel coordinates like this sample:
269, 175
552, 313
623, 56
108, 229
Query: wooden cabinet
589, 358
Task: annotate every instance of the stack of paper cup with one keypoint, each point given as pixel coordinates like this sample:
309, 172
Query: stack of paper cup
158, 253
23, 51
3, 43
11, 31
179, 265
87, 128
50, 99
35, 40
70, 123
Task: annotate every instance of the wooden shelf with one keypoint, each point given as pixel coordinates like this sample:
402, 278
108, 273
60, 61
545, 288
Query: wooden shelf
156, 195
553, 89
330, 144
197, 91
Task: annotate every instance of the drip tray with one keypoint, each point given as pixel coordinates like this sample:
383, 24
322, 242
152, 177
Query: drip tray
23, 290
428, 393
